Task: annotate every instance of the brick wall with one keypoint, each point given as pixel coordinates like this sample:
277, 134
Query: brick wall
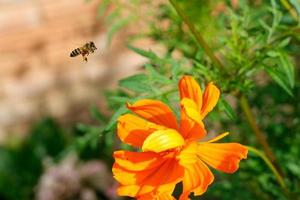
37, 76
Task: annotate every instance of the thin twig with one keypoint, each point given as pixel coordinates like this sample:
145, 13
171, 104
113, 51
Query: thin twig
290, 9
269, 164
251, 119
197, 35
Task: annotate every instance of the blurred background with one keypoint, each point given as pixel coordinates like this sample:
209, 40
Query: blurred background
38, 77
58, 114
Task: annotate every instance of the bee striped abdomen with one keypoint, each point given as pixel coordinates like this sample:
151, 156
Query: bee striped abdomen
75, 52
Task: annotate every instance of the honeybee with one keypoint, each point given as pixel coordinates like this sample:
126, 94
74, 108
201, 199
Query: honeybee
85, 50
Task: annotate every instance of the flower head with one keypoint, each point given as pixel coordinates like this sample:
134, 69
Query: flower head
171, 152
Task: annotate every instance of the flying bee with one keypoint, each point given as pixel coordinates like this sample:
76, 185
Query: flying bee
85, 50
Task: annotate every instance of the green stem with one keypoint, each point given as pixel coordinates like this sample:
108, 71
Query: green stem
270, 165
291, 10
197, 35
252, 122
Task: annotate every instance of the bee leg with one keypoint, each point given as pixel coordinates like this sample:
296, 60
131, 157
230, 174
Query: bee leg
85, 58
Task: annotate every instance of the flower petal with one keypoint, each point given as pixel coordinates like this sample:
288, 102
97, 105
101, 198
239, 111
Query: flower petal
133, 130
128, 190
189, 88
163, 140
222, 156
154, 111
219, 137
137, 161
191, 109
161, 178
188, 154
197, 177
191, 125
210, 99
160, 196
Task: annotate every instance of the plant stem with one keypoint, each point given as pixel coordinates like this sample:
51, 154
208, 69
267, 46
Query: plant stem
197, 35
258, 133
250, 118
271, 167
291, 10
244, 102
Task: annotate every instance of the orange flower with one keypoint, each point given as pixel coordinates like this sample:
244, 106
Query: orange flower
172, 153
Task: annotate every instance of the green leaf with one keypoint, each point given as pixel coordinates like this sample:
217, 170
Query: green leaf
117, 26
114, 118
272, 54
155, 76
175, 71
296, 5
279, 79
202, 69
96, 114
287, 68
118, 99
294, 168
284, 42
148, 54
224, 105
136, 83
102, 8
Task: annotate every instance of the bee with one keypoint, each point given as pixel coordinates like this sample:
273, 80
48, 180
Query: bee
85, 50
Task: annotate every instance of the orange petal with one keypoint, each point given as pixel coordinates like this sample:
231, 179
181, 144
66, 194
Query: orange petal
190, 89
137, 161
161, 178
222, 156
163, 140
154, 111
160, 196
210, 99
191, 125
133, 130
197, 177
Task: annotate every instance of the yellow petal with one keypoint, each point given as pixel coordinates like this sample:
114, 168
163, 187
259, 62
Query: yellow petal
128, 190
191, 110
219, 137
210, 99
188, 155
163, 140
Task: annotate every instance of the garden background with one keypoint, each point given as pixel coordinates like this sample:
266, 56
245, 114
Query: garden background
58, 114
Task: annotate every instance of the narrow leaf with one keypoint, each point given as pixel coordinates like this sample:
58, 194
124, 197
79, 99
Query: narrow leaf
136, 83
155, 75
114, 118
287, 68
147, 54
277, 77
224, 105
